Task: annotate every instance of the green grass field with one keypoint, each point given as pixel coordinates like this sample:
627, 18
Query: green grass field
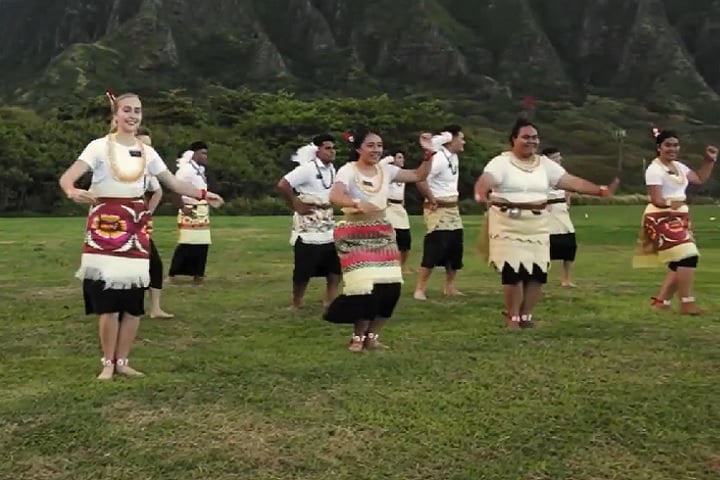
238, 387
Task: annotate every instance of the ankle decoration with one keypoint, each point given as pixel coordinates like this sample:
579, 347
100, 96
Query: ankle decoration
121, 362
106, 362
514, 318
687, 299
358, 338
660, 301
373, 336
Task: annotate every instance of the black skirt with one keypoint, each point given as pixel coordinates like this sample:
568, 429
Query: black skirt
563, 247
99, 300
379, 304
189, 259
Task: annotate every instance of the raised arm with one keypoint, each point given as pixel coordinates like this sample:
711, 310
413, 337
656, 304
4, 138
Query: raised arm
703, 173
417, 175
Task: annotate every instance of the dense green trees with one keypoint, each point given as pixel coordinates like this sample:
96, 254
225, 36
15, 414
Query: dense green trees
253, 135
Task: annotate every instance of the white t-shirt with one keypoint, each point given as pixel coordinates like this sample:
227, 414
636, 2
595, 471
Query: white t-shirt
397, 189
312, 178
673, 186
518, 186
103, 184
194, 174
350, 177
444, 174
151, 183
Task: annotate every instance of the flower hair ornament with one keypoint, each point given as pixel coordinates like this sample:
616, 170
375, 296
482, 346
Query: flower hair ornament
112, 98
655, 132
305, 154
347, 136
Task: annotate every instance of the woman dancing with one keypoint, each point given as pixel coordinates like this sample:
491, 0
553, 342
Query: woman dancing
114, 265
516, 235
365, 239
666, 233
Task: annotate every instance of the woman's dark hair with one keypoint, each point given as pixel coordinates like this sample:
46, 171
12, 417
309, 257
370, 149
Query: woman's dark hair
663, 135
356, 140
519, 123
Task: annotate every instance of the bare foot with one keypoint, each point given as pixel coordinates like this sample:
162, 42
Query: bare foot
568, 284
419, 295
161, 314
454, 292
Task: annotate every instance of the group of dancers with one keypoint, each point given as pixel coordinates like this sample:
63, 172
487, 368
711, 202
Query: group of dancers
526, 225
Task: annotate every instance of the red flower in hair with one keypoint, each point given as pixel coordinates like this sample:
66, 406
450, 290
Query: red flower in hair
348, 137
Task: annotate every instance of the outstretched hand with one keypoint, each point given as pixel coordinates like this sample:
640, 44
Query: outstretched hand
214, 200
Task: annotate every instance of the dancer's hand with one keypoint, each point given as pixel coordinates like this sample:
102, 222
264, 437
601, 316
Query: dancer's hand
81, 196
302, 208
711, 153
612, 188
214, 200
675, 204
425, 142
366, 207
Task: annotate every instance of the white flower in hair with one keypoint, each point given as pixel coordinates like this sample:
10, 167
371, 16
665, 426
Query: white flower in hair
305, 154
438, 141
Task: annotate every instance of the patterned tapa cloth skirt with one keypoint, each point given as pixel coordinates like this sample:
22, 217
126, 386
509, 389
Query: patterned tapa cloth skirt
445, 217
397, 216
370, 262
521, 241
665, 236
194, 229
115, 266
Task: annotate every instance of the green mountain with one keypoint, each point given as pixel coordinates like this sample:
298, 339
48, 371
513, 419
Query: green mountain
661, 53
257, 78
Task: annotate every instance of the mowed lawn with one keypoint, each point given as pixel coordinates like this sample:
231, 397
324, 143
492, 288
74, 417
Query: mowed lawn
238, 387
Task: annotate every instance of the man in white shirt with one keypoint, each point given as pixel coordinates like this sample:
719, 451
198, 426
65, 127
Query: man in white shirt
563, 244
307, 190
443, 243
396, 213
194, 238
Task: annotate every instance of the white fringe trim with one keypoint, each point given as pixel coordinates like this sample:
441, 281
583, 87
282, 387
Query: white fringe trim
118, 273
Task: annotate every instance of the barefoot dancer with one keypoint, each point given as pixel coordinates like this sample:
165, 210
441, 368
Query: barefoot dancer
365, 240
194, 239
396, 213
443, 243
516, 235
666, 235
563, 245
313, 220
115, 258
156, 266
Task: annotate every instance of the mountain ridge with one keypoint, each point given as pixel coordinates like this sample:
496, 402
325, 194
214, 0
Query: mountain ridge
657, 52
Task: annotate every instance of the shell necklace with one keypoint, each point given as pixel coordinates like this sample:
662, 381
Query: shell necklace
121, 174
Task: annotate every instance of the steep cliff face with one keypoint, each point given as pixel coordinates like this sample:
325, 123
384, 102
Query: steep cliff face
662, 52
